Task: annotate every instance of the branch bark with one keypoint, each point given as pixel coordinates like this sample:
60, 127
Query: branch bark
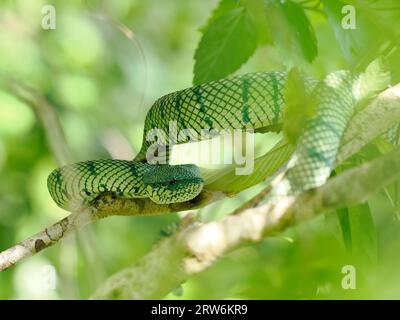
103, 207
45, 238
196, 247
383, 113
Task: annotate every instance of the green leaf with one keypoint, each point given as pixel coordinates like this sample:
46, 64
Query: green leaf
224, 6
300, 106
363, 233
301, 26
359, 233
292, 32
358, 230
346, 38
227, 43
359, 45
344, 222
342, 215
257, 10
228, 181
384, 146
374, 79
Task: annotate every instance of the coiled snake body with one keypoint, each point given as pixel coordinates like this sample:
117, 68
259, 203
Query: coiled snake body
254, 101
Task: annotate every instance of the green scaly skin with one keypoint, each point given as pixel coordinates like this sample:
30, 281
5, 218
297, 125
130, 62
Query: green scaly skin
80, 183
252, 101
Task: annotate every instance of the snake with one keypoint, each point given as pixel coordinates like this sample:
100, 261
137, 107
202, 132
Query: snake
253, 101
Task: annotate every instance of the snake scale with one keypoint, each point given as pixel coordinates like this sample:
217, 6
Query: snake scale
251, 101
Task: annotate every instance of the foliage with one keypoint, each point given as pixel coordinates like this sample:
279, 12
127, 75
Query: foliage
228, 41
101, 88
300, 106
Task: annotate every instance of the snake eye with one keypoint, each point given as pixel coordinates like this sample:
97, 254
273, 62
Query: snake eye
173, 181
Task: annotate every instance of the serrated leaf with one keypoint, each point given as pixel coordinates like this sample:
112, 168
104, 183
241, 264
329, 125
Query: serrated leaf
226, 44
374, 79
228, 181
256, 8
304, 31
300, 106
224, 6
292, 32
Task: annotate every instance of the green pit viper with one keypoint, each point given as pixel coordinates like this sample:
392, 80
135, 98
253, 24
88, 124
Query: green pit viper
251, 101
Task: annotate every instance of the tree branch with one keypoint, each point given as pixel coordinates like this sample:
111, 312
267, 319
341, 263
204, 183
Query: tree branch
196, 247
103, 207
378, 117
45, 238
383, 113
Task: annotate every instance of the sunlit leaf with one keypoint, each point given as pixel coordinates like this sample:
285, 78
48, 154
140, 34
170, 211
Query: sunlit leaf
360, 44
291, 30
226, 44
223, 7
374, 79
257, 10
346, 38
301, 26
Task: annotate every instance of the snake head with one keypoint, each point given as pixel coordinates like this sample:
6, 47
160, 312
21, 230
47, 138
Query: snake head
172, 183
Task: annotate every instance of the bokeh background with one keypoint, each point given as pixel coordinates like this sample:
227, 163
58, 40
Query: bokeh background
101, 84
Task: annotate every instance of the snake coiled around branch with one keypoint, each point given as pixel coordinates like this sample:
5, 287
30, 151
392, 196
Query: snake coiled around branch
252, 101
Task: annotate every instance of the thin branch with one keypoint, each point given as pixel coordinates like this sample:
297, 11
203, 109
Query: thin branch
46, 114
196, 247
45, 238
377, 118
380, 115
103, 207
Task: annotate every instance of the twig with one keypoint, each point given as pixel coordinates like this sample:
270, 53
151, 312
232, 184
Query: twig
383, 113
105, 206
196, 247
377, 118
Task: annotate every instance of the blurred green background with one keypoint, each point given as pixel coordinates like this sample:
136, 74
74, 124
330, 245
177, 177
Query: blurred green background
102, 86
